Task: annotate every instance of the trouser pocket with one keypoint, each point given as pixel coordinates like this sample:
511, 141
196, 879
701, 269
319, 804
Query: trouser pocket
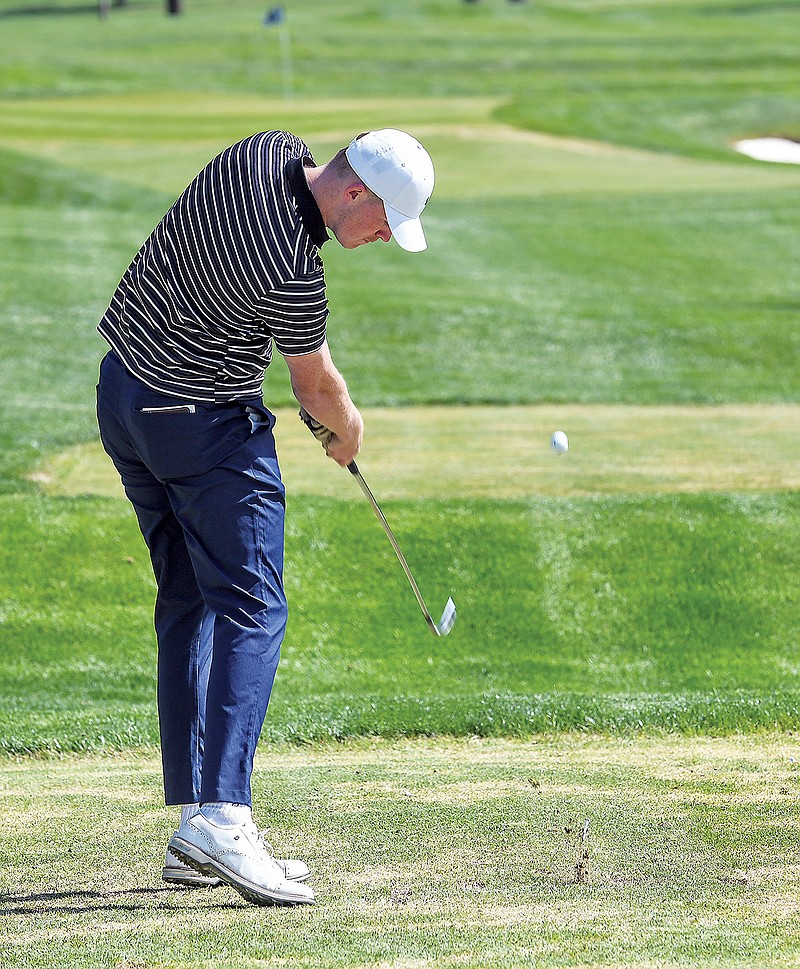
170, 409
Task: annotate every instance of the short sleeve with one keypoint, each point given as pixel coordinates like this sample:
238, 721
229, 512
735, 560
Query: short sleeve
296, 314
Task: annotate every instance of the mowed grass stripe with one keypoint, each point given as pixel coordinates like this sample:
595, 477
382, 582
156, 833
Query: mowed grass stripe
504, 452
128, 137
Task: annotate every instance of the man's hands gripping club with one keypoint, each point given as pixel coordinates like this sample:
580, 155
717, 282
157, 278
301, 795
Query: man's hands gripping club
325, 402
323, 434
331, 444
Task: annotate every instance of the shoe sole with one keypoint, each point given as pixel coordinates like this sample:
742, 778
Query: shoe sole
189, 879
193, 878
190, 855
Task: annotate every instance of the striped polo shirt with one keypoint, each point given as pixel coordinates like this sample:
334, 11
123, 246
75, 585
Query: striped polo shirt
232, 268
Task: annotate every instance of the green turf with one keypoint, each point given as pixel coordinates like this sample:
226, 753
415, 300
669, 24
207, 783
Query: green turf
621, 613
581, 274
663, 74
594, 242
433, 854
559, 271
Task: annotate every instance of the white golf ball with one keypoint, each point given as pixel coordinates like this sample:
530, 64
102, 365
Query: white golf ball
559, 442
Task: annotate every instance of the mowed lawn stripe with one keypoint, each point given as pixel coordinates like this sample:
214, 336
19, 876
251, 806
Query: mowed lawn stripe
504, 452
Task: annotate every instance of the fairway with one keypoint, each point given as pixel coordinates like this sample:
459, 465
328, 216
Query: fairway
504, 452
100, 137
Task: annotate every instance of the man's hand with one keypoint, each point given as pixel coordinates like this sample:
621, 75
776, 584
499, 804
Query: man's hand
321, 433
331, 444
322, 393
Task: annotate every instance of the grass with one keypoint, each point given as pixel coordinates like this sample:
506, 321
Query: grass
616, 613
600, 260
419, 452
639, 296
438, 853
660, 74
586, 273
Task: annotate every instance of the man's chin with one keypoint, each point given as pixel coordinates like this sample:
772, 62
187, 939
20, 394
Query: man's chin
350, 243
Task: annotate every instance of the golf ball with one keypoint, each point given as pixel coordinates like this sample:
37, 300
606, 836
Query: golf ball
559, 442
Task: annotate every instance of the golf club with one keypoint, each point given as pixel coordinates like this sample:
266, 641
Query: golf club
445, 624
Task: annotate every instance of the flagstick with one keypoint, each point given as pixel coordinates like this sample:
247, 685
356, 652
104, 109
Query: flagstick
286, 62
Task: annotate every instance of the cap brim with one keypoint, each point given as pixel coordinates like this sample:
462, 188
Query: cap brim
407, 232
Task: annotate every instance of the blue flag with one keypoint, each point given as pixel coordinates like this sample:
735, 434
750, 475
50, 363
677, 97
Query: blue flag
274, 17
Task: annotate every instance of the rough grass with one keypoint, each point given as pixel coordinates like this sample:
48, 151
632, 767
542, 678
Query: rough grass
446, 854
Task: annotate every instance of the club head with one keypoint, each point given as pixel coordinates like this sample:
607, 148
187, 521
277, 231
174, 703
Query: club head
448, 619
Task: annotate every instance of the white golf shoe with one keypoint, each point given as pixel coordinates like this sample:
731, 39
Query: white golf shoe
175, 872
239, 856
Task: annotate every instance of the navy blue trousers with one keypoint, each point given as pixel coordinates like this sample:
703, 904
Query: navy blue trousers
206, 487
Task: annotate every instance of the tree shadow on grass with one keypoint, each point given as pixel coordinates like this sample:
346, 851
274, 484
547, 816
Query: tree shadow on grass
126, 900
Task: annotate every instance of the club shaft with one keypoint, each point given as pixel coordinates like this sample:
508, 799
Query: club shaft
353, 469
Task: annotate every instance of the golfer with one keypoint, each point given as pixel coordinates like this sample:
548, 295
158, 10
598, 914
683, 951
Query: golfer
231, 271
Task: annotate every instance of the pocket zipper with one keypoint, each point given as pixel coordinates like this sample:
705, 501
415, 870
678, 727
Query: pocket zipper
171, 409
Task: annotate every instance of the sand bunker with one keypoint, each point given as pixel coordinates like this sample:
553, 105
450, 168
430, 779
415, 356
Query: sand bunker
782, 150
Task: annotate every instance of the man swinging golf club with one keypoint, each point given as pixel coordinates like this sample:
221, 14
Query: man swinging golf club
231, 270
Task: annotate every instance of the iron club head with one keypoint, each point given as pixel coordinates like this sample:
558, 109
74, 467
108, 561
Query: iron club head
445, 624
448, 619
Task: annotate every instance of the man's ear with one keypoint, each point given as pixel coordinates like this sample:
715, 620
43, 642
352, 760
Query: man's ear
354, 191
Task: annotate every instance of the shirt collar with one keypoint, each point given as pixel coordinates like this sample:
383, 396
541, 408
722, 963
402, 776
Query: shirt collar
306, 203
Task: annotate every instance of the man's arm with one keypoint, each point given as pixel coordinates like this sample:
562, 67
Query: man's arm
321, 390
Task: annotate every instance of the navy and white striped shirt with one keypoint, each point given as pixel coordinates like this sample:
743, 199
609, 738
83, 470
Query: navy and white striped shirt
233, 266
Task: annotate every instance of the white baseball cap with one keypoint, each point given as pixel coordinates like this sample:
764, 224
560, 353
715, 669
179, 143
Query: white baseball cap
399, 171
